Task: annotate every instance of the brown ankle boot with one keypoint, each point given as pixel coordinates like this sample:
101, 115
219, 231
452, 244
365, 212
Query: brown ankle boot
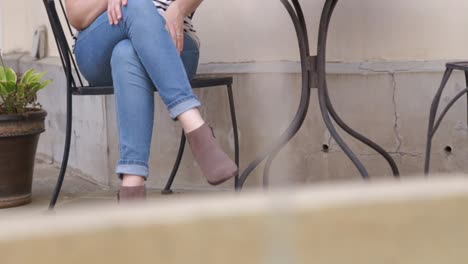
216, 166
126, 194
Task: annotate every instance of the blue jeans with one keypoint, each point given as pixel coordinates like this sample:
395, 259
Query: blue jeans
136, 56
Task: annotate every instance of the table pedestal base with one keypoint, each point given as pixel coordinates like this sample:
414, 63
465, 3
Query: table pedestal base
314, 75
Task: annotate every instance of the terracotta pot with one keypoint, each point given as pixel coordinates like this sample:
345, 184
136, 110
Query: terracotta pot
19, 135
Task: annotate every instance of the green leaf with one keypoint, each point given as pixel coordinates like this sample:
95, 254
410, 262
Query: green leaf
10, 75
3, 91
10, 86
33, 87
20, 90
2, 74
27, 75
36, 77
44, 84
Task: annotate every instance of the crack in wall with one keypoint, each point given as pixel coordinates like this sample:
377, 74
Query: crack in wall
414, 154
396, 126
400, 153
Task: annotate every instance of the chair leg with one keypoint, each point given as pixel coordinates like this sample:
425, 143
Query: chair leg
66, 152
167, 189
466, 80
432, 116
232, 109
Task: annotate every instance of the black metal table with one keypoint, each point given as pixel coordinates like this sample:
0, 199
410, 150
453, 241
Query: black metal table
313, 70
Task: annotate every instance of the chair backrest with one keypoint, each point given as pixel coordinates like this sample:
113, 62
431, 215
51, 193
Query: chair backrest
68, 62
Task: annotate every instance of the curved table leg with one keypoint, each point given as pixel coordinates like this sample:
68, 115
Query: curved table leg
322, 85
303, 105
330, 108
360, 137
297, 15
322, 42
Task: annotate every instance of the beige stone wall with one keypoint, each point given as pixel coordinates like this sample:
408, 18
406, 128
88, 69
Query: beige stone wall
2, 16
20, 18
387, 102
245, 30
361, 30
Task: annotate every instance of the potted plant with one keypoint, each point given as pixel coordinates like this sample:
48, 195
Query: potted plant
21, 123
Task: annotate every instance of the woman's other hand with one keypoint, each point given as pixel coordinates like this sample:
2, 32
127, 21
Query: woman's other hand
114, 10
175, 25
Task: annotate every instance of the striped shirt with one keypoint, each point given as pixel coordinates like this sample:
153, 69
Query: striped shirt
162, 6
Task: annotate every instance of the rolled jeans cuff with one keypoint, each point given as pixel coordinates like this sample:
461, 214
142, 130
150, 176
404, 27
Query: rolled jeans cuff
182, 106
132, 169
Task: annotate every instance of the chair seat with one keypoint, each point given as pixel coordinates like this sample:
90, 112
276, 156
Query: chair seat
203, 82
197, 82
462, 65
93, 90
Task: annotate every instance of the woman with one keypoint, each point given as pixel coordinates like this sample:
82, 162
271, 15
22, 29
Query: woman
137, 45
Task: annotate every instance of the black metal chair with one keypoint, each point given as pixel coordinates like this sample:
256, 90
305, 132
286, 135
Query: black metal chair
76, 87
433, 124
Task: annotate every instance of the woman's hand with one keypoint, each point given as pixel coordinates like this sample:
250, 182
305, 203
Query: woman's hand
114, 10
175, 25
174, 20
